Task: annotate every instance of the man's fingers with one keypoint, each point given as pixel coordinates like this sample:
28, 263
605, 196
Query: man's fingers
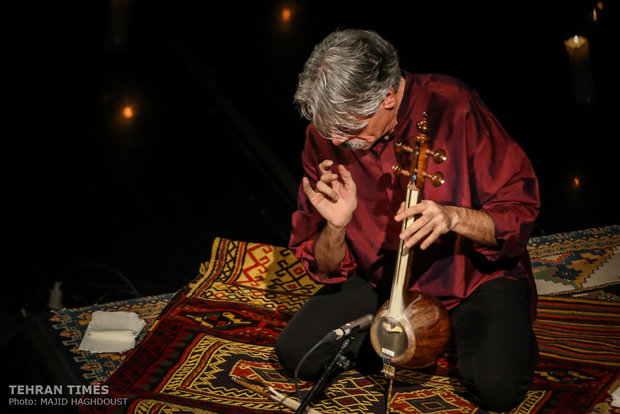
321, 193
328, 178
419, 234
328, 185
403, 213
426, 228
347, 178
414, 227
325, 166
430, 239
305, 184
327, 190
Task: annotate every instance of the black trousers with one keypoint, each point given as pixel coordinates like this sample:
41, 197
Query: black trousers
492, 334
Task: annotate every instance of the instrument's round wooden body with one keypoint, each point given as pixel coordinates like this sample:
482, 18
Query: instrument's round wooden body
417, 337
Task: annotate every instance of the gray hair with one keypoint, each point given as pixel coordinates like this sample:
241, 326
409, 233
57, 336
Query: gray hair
344, 81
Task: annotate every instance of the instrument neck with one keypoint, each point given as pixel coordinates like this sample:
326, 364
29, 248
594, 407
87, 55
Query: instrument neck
401, 274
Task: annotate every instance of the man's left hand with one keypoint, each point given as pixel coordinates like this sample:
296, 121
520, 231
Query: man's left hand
431, 221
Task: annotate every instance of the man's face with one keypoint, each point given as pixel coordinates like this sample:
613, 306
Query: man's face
379, 125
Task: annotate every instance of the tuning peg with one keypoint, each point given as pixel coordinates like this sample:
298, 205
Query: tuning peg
402, 147
439, 156
436, 179
397, 170
424, 125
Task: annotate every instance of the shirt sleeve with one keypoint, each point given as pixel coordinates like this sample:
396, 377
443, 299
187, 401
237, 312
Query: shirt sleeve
307, 223
503, 183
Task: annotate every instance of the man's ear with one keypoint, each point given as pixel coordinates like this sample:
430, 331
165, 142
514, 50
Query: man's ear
390, 100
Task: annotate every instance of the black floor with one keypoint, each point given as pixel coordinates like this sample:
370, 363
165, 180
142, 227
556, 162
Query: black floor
114, 207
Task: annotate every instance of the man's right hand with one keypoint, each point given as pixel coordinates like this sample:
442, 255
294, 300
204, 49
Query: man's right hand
334, 200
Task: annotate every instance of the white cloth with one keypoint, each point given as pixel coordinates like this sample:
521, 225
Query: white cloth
111, 332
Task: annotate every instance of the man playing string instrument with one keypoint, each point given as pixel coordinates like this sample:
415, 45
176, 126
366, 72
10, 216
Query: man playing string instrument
470, 234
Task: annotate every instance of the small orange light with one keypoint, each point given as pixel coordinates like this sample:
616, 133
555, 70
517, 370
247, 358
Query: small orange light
576, 181
128, 112
286, 15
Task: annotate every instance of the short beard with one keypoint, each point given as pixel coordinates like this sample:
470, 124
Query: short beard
354, 145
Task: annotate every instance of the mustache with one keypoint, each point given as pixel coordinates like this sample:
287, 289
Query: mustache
354, 145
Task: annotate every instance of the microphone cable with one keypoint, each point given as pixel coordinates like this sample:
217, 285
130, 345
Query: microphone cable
299, 364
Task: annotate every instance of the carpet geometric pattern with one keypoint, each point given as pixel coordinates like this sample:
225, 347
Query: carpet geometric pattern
70, 325
577, 261
256, 274
227, 320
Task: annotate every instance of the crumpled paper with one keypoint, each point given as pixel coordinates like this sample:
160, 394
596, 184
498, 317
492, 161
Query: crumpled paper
111, 332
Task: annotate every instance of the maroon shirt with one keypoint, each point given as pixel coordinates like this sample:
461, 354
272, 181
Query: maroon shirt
485, 170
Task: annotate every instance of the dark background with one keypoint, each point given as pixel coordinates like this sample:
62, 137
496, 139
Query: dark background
113, 207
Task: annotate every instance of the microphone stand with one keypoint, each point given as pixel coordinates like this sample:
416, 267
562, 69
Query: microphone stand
339, 361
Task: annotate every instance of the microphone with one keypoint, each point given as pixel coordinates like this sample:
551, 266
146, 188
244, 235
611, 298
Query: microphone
349, 328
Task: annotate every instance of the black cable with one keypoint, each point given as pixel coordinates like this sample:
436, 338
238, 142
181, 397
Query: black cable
301, 361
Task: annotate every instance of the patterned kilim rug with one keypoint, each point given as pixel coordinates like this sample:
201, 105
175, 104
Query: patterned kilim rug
225, 323
70, 325
577, 261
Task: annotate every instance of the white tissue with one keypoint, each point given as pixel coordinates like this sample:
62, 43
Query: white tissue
615, 398
111, 332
